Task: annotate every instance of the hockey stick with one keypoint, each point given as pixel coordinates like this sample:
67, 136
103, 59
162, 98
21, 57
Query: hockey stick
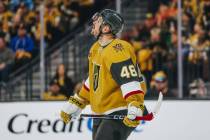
147, 117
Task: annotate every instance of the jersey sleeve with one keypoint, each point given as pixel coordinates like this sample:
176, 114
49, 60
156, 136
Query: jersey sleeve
84, 92
126, 74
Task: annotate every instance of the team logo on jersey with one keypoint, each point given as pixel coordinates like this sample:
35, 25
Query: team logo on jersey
96, 76
118, 47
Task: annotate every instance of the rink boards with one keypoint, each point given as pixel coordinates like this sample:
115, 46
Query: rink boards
177, 120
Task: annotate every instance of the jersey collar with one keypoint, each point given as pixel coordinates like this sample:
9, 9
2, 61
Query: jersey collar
104, 44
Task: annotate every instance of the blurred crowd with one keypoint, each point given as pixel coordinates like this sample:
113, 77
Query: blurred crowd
155, 42
20, 27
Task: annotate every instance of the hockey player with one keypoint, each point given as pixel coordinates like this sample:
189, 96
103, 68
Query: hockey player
114, 85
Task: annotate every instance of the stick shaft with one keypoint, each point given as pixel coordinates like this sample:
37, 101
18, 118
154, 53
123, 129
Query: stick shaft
146, 117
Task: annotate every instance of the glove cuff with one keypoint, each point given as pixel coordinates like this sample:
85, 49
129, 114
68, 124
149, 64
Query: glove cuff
77, 102
136, 104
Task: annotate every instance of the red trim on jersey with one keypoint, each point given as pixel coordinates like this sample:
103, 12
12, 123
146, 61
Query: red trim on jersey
133, 92
86, 88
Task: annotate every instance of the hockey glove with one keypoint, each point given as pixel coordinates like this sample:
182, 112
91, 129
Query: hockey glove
134, 109
72, 108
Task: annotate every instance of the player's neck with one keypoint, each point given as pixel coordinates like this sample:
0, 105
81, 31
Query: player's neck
105, 39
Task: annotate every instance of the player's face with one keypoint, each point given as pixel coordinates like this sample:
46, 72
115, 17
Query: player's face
97, 21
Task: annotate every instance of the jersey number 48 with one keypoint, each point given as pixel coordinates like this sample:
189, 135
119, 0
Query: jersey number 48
128, 71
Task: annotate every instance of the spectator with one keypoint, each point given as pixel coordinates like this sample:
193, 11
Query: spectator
162, 14
15, 3
22, 45
27, 16
170, 66
190, 6
5, 20
198, 37
36, 29
144, 58
53, 96
134, 39
198, 55
52, 19
198, 89
6, 60
69, 17
159, 83
16, 20
206, 15
61, 85
153, 5
187, 23
159, 48
144, 31
86, 10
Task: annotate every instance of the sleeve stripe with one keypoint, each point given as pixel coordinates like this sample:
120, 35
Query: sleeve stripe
131, 87
133, 92
86, 85
87, 82
86, 88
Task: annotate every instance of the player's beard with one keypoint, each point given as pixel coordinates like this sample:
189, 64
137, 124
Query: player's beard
94, 32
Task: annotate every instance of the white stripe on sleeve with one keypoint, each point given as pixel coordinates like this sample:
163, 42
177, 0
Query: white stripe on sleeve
130, 87
87, 83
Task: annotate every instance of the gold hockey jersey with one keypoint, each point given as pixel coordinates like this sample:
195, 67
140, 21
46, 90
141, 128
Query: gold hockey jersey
113, 77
